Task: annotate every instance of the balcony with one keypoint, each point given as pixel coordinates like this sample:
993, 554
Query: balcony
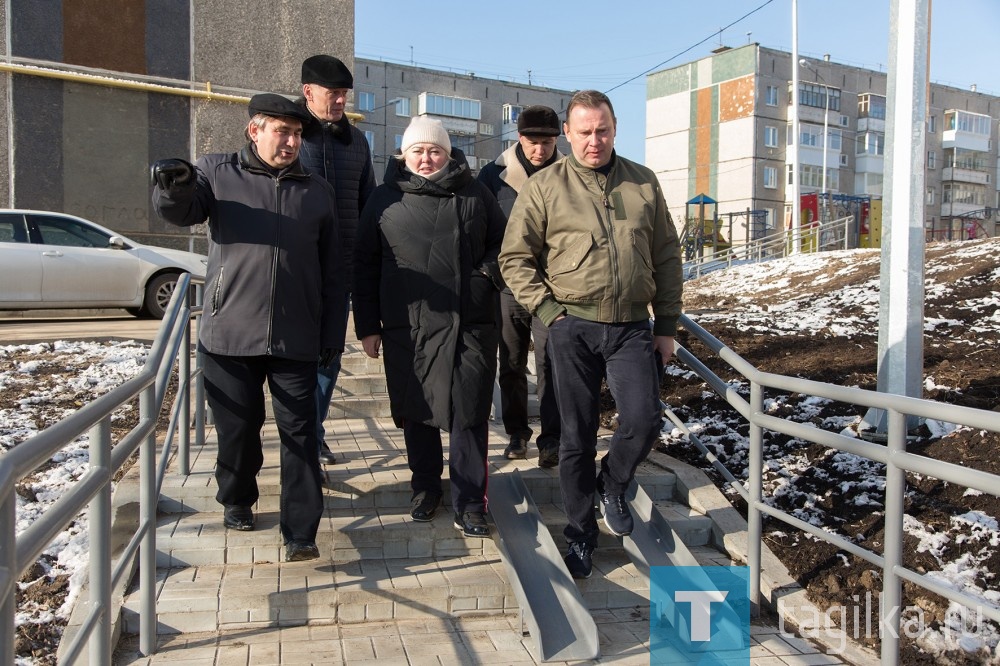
952, 209
965, 175
871, 125
869, 163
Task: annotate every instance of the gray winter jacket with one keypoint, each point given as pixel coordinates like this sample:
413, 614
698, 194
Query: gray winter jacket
275, 282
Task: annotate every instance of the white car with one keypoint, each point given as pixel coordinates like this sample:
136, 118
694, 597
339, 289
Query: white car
52, 260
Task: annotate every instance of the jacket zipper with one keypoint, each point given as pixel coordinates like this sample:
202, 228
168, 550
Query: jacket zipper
217, 292
274, 262
615, 274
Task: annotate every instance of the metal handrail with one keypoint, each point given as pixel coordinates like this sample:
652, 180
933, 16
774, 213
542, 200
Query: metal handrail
93, 489
893, 454
832, 235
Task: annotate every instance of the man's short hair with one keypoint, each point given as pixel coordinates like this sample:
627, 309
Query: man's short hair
590, 99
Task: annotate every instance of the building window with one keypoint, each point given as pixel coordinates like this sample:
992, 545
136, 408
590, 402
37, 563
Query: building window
366, 101
486, 128
508, 143
871, 105
930, 196
770, 177
771, 96
817, 96
843, 159
870, 143
809, 135
834, 139
403, 107
398, 141
770, 136
370, 138
457, 107
845, 121
964, 121
467, 144
931, 124
931, 159
510, 113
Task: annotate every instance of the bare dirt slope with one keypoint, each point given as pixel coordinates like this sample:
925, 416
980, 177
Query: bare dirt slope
819, 320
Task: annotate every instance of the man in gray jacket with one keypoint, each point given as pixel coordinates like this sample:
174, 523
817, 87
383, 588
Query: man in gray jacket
275, 302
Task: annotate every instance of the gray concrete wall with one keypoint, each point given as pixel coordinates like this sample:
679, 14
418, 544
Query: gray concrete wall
86, 149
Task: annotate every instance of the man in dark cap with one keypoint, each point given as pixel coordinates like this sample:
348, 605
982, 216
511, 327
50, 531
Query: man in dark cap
275, 302
338, 152
537, 130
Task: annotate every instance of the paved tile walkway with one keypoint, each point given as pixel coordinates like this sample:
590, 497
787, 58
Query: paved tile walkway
371, 455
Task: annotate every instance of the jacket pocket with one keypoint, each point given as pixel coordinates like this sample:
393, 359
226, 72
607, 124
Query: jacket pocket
569, 259
481, 304
217, 291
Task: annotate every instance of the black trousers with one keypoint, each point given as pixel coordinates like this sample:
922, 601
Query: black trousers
235, 389
582, 353
517, 327
466, 463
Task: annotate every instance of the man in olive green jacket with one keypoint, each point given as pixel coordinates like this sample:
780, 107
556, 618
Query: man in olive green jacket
590, 249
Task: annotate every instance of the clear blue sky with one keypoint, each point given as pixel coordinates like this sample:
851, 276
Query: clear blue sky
589, 44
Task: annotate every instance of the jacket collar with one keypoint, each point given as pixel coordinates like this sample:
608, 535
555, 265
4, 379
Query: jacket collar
513, 173
249, 161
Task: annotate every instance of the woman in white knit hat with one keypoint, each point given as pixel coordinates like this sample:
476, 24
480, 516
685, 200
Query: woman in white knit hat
426, 285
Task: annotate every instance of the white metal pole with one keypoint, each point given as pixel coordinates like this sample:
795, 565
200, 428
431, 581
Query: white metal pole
794, 144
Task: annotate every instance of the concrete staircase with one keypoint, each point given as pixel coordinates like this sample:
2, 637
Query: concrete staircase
376, 564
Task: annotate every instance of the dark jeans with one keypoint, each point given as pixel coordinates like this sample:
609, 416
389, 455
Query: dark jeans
517, 327
466, 463
235, 389
582, 353
326, 381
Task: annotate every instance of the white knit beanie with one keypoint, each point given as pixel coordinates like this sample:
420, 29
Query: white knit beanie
425, 130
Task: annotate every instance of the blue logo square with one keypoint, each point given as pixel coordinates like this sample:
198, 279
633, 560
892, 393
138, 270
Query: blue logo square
699, 615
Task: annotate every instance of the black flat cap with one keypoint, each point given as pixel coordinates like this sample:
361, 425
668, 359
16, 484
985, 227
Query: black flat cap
538, 121
277, 106
327, 71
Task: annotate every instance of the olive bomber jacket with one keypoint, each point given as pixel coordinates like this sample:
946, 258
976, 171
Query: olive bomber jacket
602, 248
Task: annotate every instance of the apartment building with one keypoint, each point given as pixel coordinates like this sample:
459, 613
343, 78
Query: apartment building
720, 127
479, 113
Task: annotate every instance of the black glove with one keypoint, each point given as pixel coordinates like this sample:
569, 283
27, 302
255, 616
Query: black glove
327, 356
173, 175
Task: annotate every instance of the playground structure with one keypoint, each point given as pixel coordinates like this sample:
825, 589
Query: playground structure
982, 223
709, 234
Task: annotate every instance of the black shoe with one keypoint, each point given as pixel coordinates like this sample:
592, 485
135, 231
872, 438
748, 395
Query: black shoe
617, 516
238, 518
579, 559
473, 524
424, 505
517, 449
300, 551
326, 456
548, 457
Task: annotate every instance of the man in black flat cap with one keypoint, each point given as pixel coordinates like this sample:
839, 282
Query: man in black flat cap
537, 130
275, 300
338, 152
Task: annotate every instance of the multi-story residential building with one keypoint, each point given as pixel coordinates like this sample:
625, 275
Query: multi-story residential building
479, 113
721, 126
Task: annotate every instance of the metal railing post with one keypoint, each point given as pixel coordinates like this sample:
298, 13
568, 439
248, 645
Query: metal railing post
100, 546
895, 489
8, 574
184, 393
147, 517
754, 475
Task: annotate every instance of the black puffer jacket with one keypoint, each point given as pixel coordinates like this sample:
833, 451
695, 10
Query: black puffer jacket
274, 283
424, 255
338, 153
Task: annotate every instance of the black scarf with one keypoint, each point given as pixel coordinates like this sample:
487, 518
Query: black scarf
530, 168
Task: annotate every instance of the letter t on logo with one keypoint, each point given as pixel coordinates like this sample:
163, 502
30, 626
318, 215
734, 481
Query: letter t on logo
701, 610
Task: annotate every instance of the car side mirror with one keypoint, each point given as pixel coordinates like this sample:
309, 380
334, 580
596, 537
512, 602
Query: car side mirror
117, 242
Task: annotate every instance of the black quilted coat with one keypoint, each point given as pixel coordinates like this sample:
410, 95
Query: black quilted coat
425, 280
